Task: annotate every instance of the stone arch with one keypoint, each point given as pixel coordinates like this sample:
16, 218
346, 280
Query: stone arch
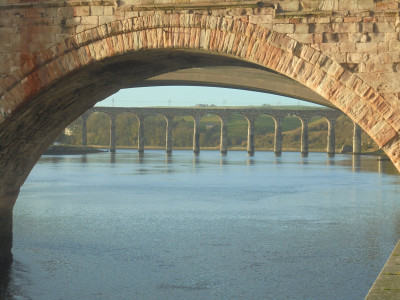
304, 120
180, 130
269, 117
241, 139
110, 121
120, 129
28, 108
331, 131
150, 140
203, 133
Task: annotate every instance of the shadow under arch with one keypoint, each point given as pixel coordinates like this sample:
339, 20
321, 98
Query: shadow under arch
72, 76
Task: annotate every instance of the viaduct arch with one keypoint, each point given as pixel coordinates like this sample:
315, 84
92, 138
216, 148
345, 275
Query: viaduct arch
58, 60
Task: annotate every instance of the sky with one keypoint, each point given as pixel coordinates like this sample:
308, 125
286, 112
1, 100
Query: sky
190, 96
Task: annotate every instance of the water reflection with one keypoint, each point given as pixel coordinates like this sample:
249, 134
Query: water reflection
168, 158
196, 158
84, 158
277, 160
330, 160
140, 157
304, 160
356, 163
223, 159
112, 157
250, 161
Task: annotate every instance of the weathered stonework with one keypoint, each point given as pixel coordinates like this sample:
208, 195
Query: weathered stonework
58, 58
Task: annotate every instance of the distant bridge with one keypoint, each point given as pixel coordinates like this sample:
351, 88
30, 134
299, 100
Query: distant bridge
250, 113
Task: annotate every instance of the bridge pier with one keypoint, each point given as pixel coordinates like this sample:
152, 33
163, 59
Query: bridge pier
168, 135
224, 136
356, 139
330, 149
112, 134
141, 134
278, 137
250, 136
304, 136
84, 130
196, 135
7, 201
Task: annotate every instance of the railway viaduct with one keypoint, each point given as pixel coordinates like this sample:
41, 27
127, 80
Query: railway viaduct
250, 114
58, 58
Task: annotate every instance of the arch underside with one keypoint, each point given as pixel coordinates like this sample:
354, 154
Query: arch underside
71, 77
246, 77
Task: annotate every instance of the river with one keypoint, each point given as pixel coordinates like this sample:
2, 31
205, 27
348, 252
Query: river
127, 226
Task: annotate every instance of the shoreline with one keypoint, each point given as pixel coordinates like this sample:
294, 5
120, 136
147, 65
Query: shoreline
78, 150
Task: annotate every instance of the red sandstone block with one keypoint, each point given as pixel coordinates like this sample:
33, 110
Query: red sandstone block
387, 5
352, 19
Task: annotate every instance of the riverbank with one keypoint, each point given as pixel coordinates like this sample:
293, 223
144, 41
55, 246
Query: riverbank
71, 150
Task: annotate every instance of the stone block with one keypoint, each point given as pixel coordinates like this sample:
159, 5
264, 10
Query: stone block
320, 28
301, 28
365, 4
357, 57
392, 5
367, 27
346, 27
330, 38
376, 37
90, 20
96, 10
106, 19
73, 21
352, 19
348, 5
260, 19
384, 27
303, 38
65, 12
347, 47
367, 47
283, 28
394, 46
82, 11
289, 5
329, 48
383, 47
81, 28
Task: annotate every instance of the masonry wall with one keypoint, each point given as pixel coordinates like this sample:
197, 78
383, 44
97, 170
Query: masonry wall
361, 35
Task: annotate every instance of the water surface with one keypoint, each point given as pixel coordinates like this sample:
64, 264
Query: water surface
126, 226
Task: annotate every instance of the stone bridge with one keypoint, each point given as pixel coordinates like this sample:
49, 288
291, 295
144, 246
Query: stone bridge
58, 58
251, 114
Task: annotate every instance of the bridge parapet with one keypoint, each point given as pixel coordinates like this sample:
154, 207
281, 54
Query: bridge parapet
252, 112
